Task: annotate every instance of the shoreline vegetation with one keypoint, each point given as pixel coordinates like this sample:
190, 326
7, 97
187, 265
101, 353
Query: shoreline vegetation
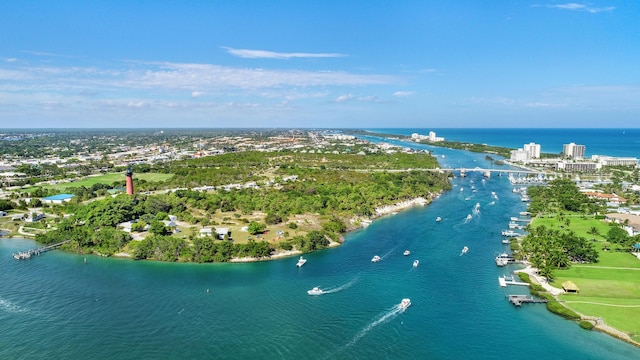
255, 205
599, 285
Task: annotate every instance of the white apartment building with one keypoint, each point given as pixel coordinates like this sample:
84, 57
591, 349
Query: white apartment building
533, 149
573, 151
519, 156
614, 161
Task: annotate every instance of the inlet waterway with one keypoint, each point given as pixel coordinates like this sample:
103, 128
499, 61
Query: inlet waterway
57, 306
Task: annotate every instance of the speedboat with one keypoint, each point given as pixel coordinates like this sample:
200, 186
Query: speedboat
404, 304
406, 252
315, 291
301, 261
415, 263
469, 217
375, 258
503, 259
438, 219
464, 250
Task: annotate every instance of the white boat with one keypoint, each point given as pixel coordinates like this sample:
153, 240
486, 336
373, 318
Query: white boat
315, 291
469, 217
438, 219
415, 263
503, 259
506, 241
406, 252
301, 261
464, 250
513, 218
375, 258
404, 304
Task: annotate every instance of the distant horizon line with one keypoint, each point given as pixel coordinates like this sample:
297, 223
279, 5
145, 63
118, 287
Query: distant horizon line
312, 128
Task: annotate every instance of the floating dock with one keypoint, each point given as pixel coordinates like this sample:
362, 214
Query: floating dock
24, 255
509, 280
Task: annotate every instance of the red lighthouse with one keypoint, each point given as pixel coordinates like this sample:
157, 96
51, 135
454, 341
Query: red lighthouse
129, 175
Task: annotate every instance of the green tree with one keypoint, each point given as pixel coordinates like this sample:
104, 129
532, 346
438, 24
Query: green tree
256, 228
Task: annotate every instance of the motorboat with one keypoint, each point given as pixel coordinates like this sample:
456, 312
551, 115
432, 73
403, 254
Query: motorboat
375, 258
406, 252
301, 261
415, 263
503, 259
315, 291
464, 250
469, 217
438, 219
506, 241
404, 304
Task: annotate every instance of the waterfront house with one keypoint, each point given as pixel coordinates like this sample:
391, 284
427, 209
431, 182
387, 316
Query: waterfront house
221, 232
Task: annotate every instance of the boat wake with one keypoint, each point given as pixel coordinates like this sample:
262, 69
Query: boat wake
383, 318
10, 307
388, 253
342, 287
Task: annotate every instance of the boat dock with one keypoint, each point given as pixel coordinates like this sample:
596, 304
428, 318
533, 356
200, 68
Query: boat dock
509, 280
518, 300
24, 255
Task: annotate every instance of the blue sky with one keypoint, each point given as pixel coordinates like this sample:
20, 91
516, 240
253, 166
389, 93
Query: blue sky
361, 64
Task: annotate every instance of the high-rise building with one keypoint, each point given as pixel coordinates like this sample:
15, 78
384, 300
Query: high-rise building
573, 151
533, 149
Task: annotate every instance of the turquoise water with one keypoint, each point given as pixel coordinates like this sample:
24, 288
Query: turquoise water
55, 306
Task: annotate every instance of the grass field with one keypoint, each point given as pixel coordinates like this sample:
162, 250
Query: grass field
609, 289
108, 179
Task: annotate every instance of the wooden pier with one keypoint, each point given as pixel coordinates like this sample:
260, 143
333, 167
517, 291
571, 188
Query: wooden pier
24, 255
518, 300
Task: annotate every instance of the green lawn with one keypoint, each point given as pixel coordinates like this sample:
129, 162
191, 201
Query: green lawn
109, 179
612, 294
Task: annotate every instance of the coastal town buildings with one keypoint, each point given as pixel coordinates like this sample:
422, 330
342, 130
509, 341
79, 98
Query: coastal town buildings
432, 137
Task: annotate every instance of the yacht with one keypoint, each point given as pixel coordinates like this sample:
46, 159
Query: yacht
375, 258
464, 250
301, 261
404, 304
415, 263
406, 252
315, 291
503, 259
438, 219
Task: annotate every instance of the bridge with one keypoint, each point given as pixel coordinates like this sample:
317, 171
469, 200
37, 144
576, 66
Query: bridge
487, 172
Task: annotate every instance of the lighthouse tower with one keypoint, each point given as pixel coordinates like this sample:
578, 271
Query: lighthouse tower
129, 175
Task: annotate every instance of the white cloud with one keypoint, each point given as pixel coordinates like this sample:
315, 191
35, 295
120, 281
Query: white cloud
344, 98
579, 7
264, 54
403, 93
196, 94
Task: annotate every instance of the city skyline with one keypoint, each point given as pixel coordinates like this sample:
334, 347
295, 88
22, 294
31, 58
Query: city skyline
294, 64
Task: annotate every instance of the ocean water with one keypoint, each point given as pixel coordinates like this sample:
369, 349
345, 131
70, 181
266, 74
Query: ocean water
56, 306
611, 142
